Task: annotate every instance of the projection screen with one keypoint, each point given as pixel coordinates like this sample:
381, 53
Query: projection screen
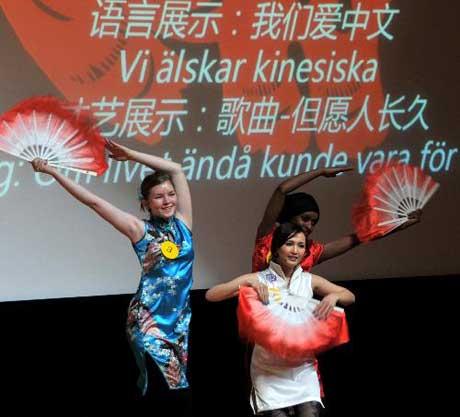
243, 94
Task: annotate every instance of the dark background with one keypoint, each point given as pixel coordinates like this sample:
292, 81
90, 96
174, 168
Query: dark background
71, 357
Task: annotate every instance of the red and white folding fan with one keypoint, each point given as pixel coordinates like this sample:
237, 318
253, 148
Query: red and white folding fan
389, 196
286, 325
44, 127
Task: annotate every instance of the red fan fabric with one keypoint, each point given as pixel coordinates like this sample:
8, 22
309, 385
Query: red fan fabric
32, 115
293, 340
407, 184
366, 220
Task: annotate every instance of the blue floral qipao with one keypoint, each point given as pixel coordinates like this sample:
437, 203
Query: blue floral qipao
159, 313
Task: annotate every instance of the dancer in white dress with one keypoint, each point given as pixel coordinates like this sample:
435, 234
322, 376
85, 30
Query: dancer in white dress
279, 387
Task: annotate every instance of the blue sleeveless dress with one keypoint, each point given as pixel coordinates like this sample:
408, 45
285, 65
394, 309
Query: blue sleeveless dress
159, 313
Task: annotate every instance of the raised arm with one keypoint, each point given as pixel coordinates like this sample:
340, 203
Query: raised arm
332, 294
124, 222
230, 289
345, 243
184, 199
276, 202
339, 246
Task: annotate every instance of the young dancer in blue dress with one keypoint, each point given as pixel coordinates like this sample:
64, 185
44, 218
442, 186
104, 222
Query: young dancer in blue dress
159, 313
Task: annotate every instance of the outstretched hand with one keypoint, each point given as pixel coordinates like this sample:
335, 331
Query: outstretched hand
41, 165
261, 289
117, 151
333, 172
415, 216
325, 307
